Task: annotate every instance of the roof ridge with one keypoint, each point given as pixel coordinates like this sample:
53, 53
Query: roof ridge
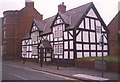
79, 6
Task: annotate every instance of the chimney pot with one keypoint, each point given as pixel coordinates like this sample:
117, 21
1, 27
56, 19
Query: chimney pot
29, 3
61, 8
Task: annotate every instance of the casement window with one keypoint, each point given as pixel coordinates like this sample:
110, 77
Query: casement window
58, 32
58, 48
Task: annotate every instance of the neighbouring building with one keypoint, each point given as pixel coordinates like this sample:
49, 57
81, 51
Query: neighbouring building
68, 35
114, 36
1, 37
15, 25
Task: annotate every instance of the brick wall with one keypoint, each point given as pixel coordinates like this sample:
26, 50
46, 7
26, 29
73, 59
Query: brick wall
110, 66
18, 23
113, 36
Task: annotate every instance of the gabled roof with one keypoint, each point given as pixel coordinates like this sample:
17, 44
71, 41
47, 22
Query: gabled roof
48, 24
40, 24
27, 36
71, 17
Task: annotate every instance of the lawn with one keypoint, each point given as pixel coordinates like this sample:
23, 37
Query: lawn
108, 58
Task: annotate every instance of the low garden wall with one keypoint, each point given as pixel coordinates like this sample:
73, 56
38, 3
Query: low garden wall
110, 66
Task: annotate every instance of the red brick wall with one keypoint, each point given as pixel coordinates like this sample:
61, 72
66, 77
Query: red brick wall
113, 36
9, 27
18, 24
84, 64
110, 66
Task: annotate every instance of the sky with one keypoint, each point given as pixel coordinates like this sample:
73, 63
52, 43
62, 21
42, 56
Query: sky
106, 8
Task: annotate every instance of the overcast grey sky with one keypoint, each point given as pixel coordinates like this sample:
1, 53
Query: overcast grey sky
107, 8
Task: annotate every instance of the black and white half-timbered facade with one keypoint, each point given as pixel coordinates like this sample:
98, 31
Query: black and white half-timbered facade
70, 35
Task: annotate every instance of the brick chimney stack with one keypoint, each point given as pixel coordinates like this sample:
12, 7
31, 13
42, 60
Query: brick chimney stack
61, 8
29, 3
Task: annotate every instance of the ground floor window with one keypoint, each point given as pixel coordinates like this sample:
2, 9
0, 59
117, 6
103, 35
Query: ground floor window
58, 48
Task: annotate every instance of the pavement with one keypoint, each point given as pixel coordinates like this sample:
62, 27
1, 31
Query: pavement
73, 72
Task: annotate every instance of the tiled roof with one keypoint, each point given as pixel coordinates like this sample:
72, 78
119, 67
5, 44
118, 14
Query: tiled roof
70, 17
27, 36
40, 24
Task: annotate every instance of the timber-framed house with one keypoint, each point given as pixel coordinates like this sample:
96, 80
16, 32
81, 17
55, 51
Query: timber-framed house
69, 35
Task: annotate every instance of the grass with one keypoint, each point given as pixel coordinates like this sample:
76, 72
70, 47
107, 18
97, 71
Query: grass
108, 58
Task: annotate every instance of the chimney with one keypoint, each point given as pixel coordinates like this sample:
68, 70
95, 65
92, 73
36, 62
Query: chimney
29, 3
61, 8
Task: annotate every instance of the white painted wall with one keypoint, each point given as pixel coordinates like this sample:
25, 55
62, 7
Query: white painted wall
92, 36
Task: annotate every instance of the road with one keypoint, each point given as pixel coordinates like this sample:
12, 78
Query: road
12, 72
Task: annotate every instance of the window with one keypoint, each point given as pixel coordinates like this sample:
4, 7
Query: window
58, 48
4, 34
98, 29
58, 32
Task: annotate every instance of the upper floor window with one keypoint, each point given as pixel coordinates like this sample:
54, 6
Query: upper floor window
98, 29
58, 20
34, 37
58, 31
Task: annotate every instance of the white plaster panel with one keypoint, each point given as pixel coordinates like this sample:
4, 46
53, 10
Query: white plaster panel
66, 55
92, 24
93, 54
92, 37
71, 55
85, 37
91, 13
87, 23
86, 47
81, 25
48, 59
79, 46
86, 54
93, 47
66, 45
99, 54
79, 54
78, 38
71, 44
65, 35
